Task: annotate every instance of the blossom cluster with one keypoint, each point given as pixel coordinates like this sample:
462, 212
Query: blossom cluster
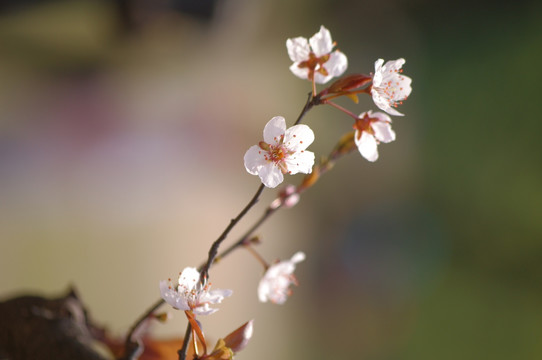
283, 150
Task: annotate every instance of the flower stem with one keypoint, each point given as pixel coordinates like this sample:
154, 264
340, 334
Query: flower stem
312, 100
257, 255
130, 346
213, 251
346, 111
182, 352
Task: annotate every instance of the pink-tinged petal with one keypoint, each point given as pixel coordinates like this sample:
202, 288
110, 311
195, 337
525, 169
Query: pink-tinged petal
302, 73
367, 146
300, 162
254, 159
298, 137
383, 131
321, 43
274, 129
298, 49
270, 175
172, 297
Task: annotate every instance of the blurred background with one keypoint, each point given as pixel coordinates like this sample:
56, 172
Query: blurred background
123, 125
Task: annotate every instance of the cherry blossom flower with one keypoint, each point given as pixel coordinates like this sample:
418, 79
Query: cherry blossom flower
389, 87
372, 128
274, 285
281, 152
315, 58
191, 295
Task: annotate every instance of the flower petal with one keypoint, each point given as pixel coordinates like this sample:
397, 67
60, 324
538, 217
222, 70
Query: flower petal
321, 43
384, 103
254, 159
270, 175
367, 146
274, 129
337, 63
298, 137
298, 49
172, 297
383, 131
377, 78
300, 162
215, 296
302, 73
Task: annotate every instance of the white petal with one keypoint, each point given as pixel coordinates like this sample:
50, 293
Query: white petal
189, 278
215, 296
384, 103
298, 137
402, 87
274, 129
383, 131
300, 162
367, 146
337, 63
378, 115
321, 43
394, 65
335, 66
270, 175
298, 49
321, 79
254, 159
302, 73
377, 77
204, 309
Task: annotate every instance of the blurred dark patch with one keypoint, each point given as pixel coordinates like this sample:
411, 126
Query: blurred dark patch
33, 327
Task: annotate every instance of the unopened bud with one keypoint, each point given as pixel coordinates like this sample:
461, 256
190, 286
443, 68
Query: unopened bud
239, 338
349, 82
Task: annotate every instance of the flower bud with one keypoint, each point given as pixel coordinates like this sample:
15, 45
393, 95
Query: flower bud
349, 82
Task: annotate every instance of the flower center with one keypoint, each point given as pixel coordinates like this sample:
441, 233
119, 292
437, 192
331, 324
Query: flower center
364, 124
273, 153
315, 63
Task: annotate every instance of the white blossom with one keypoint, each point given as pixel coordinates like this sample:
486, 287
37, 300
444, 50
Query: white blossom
190, 294
371, 129
389, 87
275, 284
281, 152
315, 57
